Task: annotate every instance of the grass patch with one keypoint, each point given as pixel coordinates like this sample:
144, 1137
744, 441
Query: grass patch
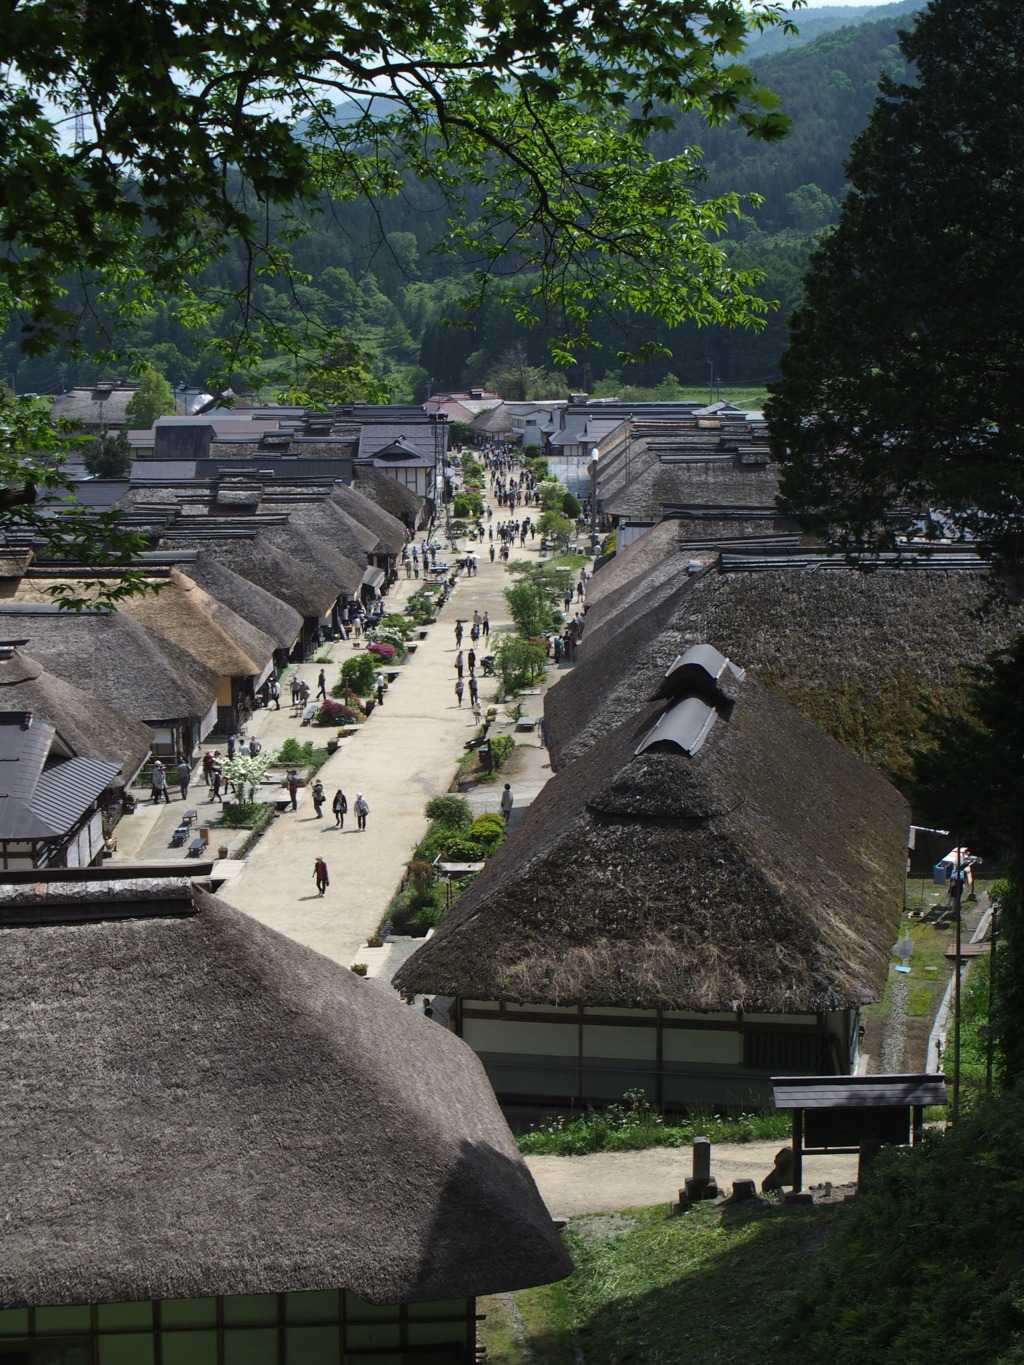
650, 1289
635, 1125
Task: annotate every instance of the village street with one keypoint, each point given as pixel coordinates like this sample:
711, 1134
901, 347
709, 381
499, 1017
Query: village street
406, 752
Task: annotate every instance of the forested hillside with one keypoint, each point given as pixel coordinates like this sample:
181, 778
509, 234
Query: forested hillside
380, 273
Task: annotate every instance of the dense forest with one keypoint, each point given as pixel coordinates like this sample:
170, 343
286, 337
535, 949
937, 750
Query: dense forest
378, 270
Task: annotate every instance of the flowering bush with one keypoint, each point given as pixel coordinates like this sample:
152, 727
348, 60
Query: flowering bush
385, 653
386, 635
335, 713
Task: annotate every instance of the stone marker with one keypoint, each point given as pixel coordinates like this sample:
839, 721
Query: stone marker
781, 1173
702, 1184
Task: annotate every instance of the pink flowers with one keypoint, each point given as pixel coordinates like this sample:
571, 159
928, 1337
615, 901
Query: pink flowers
385, 653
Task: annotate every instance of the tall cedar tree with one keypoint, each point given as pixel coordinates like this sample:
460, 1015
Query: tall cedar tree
903, 382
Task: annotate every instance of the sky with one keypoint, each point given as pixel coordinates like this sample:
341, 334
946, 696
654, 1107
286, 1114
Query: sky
823, 4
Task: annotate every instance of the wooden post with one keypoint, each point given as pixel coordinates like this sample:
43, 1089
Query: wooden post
798, 1150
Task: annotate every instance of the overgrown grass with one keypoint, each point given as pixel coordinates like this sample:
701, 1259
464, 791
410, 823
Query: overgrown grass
650, 1289
635, 1125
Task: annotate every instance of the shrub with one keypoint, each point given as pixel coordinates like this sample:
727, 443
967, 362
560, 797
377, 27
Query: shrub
449, 810
571, 507
241, 814
335, 713
395, 623
468, 503
489, 830
517, 662
294, 752
501, 747
385, 653
459, 850
360, 673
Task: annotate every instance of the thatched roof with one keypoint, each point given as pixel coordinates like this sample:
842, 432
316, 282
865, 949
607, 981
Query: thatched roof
91, 726
302, 585
262, 609
718, 480
197, 1105
390, 532
388, 493
186, 614
862, 654
763, 872
115, 658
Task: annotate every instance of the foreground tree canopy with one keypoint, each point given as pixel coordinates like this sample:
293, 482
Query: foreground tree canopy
903, 384
140, 142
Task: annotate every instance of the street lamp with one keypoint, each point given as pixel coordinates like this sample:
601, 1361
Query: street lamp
593, 501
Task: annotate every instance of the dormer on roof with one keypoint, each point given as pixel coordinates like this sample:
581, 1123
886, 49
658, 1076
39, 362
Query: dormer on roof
700, 686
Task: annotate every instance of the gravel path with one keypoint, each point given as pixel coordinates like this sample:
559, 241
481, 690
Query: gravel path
620, 1180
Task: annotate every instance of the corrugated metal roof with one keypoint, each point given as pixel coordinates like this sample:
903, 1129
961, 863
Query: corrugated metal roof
67, 790
849, 1092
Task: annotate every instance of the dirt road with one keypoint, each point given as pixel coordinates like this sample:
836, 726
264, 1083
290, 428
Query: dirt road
619, 1180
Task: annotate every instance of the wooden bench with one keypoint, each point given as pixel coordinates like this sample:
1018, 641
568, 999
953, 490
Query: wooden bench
310, 712
197, 846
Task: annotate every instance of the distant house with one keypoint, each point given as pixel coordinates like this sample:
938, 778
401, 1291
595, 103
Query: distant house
222, 1147
50, 797
705, 898
409, 464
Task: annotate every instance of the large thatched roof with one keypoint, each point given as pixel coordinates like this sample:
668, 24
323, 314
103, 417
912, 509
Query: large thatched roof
197, 1105
862, 654
262, 609
762, 872
302, 584
91, 726
394, 497
115, 658
390, 532
186, 614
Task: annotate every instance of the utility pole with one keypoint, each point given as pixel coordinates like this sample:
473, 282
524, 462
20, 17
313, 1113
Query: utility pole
593, 501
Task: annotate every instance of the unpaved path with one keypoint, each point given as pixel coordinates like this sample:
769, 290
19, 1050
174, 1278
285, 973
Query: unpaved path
620, 1180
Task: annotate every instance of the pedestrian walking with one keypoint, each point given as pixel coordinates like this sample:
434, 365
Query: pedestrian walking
320, 876
471, 660
232, 745
458, 663
460, 687
474, 634
458, 634
380, 689
293, 788
492, 554
321, 685
208, 765
255, 747
295, 685
340, 808
319, 797
506, 802
486, 625
362, 810
274, 693
160, 783
474, 692
216, 785
184, 778
478, 620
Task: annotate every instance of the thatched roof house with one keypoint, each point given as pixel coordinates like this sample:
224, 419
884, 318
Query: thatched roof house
408, 507
248, 1119
91, 726
865, 655
264, 610
740, 875
111, 656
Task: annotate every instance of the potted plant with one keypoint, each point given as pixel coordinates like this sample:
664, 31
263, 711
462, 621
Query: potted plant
358, 969
222, 851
